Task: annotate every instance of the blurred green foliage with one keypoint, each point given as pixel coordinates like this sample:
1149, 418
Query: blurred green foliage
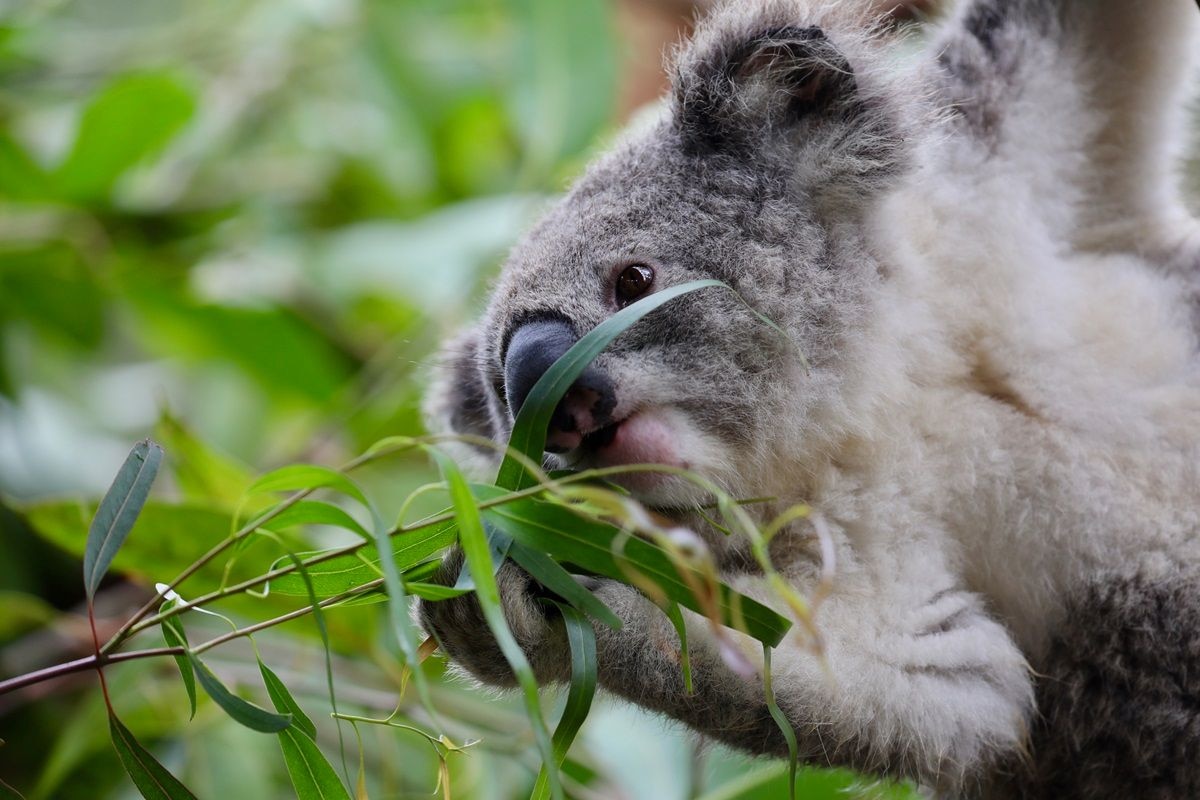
243, 226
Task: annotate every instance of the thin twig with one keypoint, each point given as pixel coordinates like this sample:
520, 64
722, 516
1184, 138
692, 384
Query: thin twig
82, 665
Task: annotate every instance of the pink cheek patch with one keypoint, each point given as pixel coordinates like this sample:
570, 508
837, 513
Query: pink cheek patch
644, 438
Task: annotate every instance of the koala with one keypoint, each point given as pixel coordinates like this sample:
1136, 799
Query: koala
989, 389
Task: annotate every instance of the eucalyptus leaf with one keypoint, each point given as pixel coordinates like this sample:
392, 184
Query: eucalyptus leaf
546, 571
150, 777
118, 511
323, 630
204, 474
675, 615
296, 477
175, 636
473, 540
582, 642
284, 703
434, 591
243, 711
313, 777
785, 725
555, 529
343, 573
316, 512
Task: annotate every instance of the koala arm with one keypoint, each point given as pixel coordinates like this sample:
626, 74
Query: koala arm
919, 683
1085, 100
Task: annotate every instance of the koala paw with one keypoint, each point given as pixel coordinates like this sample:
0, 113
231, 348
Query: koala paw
459, 625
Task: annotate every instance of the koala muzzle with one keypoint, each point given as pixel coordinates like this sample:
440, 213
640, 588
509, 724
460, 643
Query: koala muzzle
586, 407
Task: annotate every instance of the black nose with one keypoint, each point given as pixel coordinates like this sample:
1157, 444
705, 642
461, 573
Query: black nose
587, 405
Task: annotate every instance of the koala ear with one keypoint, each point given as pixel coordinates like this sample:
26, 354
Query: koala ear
734, 83
459, 401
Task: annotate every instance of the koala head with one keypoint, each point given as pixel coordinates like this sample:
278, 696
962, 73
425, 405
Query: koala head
776, 140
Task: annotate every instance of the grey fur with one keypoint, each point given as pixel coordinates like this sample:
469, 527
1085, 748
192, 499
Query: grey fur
1005, 533
1119, 695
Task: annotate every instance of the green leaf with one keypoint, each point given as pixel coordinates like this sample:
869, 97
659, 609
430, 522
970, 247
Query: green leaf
529, 428
297, 477
21, 612
248, 714
785, 726
675, 614
568, 537
582, 641
343, 573
434, 591
546, 571
119, 510
175, 636
20, 176
150, 777
53, 289
313, 777
204, 475
285, 703
287, 355
473, 541
316, 512
566, 81
129, 120
323, 630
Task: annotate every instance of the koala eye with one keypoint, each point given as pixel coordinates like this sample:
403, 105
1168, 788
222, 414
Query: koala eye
633, 282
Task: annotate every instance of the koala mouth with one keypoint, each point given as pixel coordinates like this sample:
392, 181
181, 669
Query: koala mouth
601, 437
580, 442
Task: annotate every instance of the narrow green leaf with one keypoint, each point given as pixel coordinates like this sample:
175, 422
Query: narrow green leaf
582, 641
422, 572
323, 630
529, 428
296, 477
570, 538
474, 545
402, 625
313, 777
150, 777
498, 544
434, 591
204, 474
284, 702
175, 636
341, 574
316, 512
675, 614
546, 571
119, 510
785, 726
245, 712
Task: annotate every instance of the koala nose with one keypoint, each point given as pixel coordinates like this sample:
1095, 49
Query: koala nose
587, 406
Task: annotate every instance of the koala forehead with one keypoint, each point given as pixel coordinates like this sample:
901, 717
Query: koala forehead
652, 202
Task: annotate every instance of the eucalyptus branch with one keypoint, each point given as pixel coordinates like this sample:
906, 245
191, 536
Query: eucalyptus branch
288, 617
131, 627
350, 549
545, 485
83, 665
93, 661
